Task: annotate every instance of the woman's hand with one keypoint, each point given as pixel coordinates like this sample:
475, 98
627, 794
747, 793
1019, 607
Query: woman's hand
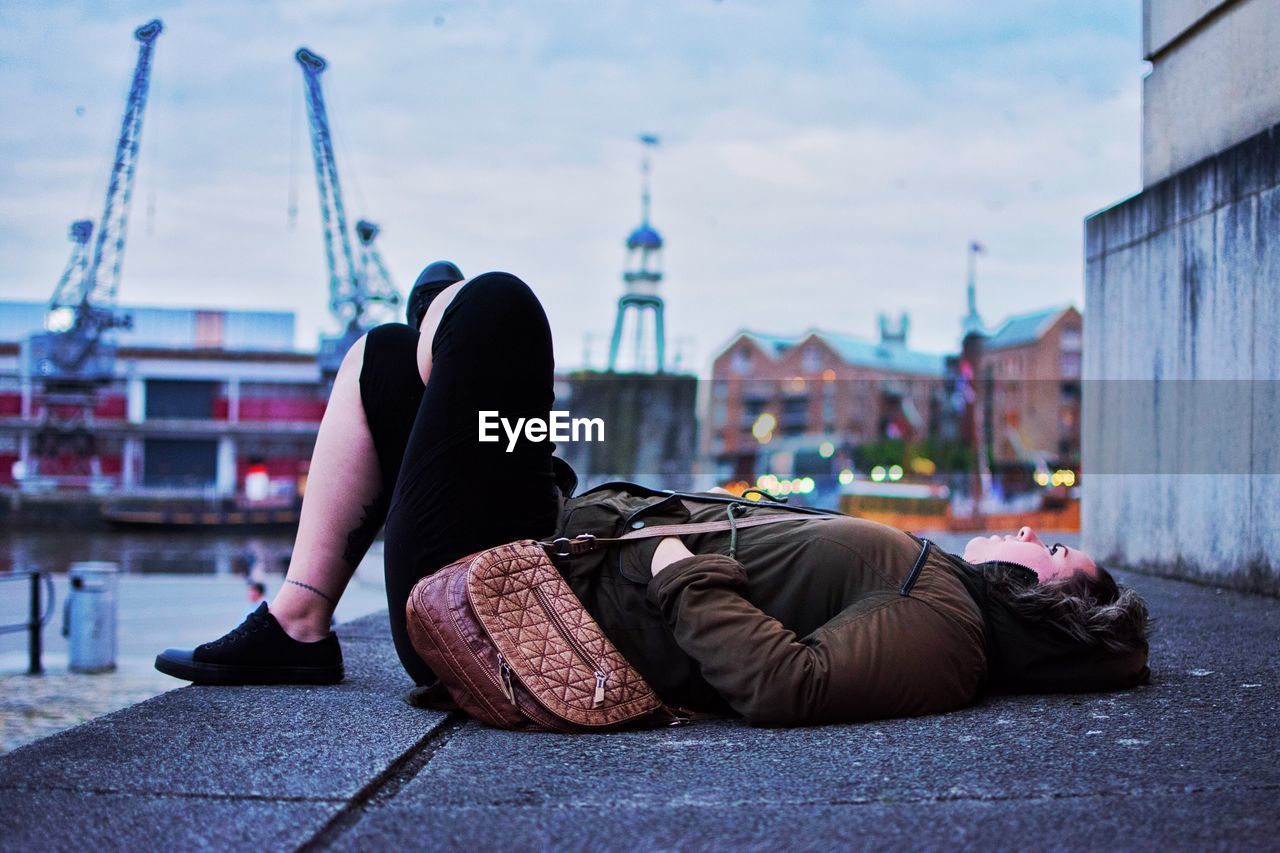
668, 551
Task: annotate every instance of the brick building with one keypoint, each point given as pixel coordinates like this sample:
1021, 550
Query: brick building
795, 394
1031, 364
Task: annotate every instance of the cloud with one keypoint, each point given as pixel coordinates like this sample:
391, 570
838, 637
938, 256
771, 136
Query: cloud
820, 162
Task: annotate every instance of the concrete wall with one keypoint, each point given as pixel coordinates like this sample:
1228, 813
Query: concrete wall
1213, 80
650, 428
1181, 420
1166, 21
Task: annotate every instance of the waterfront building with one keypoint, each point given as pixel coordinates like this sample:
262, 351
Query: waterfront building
1031, 367
201, 400
796, 394
793, 394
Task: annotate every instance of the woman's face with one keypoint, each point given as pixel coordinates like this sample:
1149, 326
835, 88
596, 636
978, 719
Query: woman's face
1049, 562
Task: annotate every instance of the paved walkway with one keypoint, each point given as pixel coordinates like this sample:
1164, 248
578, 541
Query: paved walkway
155, 612
1190, 761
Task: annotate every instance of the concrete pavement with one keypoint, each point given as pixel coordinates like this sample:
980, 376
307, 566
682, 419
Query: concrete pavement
155, 611
1187, 761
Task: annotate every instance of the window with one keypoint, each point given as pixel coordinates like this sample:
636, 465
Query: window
179, 461
751, 409
795, 415
811, 359
170, 398
829, 406
1070, 365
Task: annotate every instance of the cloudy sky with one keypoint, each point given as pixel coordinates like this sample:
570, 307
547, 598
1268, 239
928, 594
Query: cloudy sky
820, 162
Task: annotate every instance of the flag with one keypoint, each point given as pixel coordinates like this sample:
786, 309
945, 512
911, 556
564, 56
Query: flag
976, 247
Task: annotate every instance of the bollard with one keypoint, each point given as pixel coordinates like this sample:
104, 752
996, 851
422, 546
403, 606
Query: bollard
34, 625
91, 611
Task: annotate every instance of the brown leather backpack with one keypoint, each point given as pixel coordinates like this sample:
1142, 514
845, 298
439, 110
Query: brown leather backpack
517, 650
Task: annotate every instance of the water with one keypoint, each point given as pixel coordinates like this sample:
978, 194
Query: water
151, 552
175, 589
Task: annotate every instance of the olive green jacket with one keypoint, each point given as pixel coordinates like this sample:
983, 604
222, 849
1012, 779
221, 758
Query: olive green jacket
815, 620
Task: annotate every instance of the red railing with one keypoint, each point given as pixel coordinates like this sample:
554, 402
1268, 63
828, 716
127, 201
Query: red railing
112, 408
265, 409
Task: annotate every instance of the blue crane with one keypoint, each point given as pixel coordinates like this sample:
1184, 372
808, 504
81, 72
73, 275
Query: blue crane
360, 294
83, 307
69, 363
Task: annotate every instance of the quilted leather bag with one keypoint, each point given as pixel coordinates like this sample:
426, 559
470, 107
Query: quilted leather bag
517, 650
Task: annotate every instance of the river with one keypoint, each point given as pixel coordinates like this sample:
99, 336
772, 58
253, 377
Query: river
199, 553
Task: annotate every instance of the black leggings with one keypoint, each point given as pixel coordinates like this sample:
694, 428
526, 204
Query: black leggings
445, 493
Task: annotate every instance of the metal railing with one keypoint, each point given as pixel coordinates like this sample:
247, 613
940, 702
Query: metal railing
35, 620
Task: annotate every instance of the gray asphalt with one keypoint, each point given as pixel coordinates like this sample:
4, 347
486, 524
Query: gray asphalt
1188, 761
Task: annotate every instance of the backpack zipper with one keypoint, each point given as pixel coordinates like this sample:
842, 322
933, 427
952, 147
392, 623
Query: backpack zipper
598, 698
504, 684
508, 689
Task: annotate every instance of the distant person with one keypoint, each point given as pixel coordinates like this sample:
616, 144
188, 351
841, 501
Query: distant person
257, 592
818, 620
77, 584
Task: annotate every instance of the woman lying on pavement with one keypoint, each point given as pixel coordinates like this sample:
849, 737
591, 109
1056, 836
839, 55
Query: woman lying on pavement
819, 619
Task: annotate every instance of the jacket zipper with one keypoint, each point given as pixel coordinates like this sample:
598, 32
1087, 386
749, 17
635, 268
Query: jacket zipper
905, 589
582, 653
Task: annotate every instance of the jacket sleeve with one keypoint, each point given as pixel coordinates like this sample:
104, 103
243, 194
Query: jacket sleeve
888, 656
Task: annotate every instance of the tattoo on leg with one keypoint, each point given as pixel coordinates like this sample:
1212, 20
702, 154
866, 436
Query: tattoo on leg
359, 540
313, 589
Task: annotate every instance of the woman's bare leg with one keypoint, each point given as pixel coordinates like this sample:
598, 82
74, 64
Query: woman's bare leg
340, 515
339, 521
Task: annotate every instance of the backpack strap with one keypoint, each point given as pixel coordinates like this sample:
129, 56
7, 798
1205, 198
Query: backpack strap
586, 542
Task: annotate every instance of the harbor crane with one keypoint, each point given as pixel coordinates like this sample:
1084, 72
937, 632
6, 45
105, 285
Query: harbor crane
69, 363
361, 293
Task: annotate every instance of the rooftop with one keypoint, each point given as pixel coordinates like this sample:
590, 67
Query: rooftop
773, 345
890, 355
887, 356
1023, 329
177, 328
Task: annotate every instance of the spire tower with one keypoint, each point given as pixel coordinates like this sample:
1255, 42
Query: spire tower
641, 280
972, 323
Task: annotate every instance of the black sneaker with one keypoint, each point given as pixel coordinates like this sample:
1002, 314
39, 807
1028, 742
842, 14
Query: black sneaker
257, 652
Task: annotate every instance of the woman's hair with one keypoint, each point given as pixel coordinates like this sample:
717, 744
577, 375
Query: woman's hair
1092, 611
